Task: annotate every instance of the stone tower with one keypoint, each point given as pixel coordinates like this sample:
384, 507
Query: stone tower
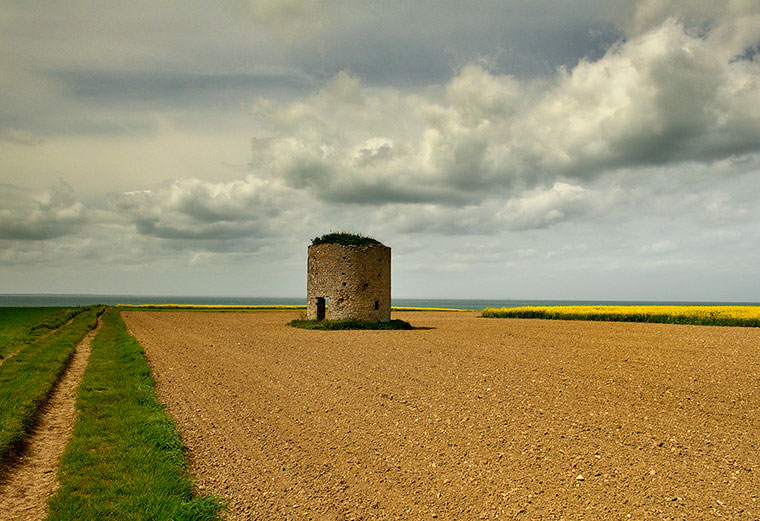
349, 281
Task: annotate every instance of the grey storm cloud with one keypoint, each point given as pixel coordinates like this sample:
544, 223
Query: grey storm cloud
39, 215
534, 209
175, 89
410, 44
192, 209
163, 61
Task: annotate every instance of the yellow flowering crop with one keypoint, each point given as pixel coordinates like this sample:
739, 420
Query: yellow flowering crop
700, 315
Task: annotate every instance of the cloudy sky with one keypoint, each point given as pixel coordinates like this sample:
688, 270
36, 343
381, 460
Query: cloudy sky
525, 149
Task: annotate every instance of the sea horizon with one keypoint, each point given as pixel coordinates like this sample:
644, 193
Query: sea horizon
84, 299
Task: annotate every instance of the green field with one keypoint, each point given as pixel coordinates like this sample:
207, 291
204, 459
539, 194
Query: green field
27, 378
17, 326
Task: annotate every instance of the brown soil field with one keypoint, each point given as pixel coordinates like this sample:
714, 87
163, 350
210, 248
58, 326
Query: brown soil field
465, 418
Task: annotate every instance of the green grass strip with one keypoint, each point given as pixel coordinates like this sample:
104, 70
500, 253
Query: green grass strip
20, 325
54, 321
27, 378
332, 325
125, 460
745, 316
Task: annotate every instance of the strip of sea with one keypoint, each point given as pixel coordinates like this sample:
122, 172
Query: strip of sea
34, 300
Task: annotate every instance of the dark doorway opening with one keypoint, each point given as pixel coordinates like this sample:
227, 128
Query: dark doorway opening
321, 308
377, 305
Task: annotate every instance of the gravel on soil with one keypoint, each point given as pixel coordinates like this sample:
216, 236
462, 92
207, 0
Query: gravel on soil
464, 418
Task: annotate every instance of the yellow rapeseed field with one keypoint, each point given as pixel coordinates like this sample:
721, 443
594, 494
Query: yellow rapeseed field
700, 315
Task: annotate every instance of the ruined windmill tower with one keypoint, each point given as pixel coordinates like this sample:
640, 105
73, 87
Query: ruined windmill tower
348, 277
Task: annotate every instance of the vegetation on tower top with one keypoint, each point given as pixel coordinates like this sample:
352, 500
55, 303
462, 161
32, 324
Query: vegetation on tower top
346, 239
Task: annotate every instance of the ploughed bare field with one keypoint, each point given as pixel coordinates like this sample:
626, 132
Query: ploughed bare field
469, 418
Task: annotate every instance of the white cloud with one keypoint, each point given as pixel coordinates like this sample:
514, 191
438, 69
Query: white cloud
659, 247
480, 98
663, 97
734, 22
19, 137
292, 19
543, 207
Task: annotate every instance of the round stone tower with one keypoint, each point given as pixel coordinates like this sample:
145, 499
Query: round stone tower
349, 281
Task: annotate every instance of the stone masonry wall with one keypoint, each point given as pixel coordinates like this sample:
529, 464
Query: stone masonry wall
356, 280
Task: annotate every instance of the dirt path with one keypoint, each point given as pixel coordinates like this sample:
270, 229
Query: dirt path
22, 346
26, 487
470, 419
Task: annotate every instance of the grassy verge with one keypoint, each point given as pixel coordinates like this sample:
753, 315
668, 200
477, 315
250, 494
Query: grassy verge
27, 379
54, 321
748, 316
17, 323
331, 325
125, 459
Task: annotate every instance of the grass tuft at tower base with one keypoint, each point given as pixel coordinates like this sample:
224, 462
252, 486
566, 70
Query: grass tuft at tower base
332, 325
